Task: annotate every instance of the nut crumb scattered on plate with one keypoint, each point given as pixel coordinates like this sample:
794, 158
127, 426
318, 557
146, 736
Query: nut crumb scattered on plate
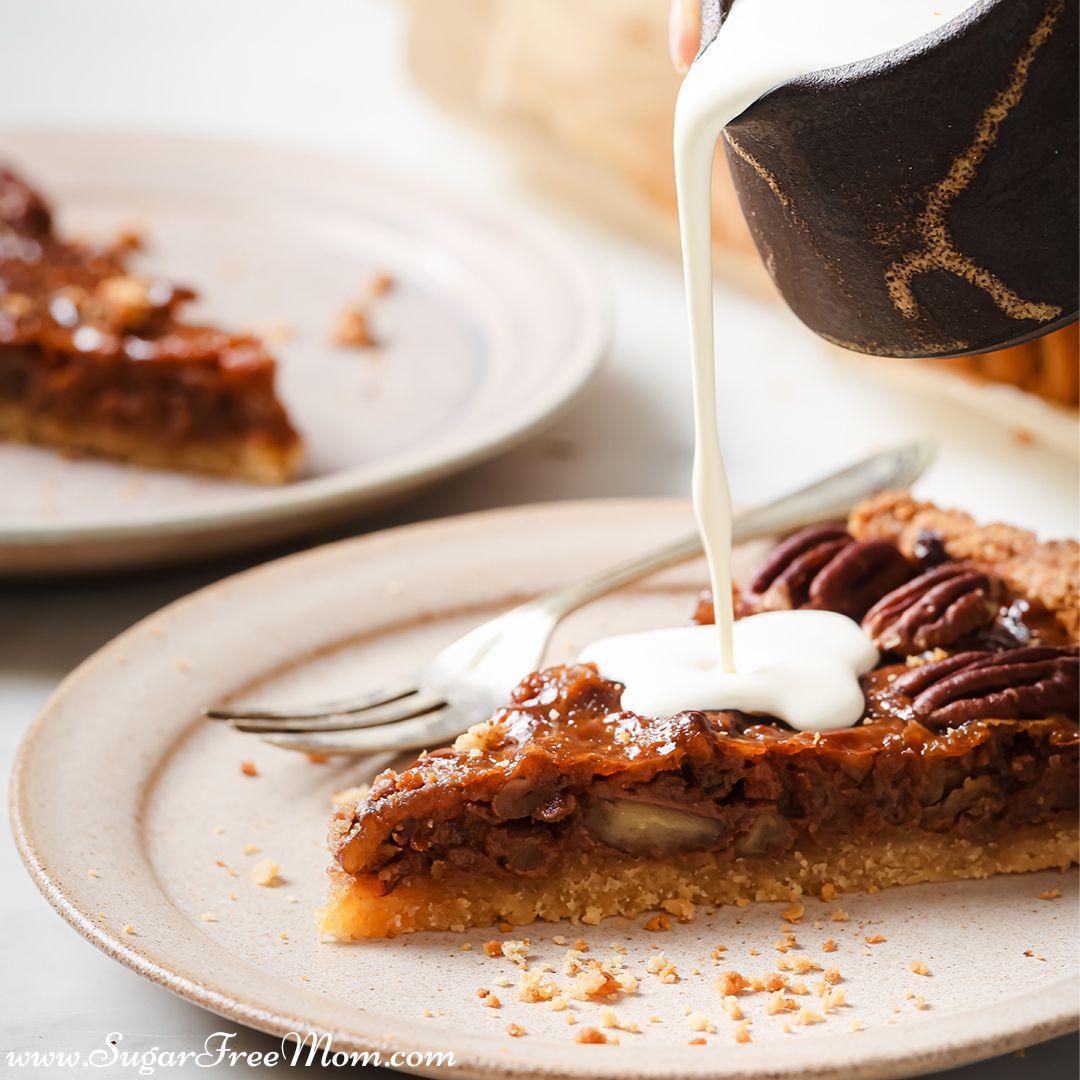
591, 1035
266, 872
352, 329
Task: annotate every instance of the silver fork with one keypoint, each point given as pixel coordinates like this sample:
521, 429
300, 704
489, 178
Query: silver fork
469, 679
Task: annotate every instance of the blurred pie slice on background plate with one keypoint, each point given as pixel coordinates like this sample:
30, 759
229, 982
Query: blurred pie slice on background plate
414, 333
96, 359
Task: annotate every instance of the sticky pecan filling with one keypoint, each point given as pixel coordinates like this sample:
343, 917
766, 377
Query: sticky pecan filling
570, 773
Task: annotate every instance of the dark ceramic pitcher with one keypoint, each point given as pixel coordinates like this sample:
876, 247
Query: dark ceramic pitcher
922, 202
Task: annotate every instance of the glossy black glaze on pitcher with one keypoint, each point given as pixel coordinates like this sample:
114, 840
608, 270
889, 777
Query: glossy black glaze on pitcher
922, 202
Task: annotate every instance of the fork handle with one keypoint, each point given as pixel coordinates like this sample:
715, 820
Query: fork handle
831, 497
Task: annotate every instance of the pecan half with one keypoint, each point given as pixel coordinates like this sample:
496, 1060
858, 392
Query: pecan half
1014, 685
939, 608
825, 567
785, 578
859, 575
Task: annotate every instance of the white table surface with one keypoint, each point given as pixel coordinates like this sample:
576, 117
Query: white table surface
330, 73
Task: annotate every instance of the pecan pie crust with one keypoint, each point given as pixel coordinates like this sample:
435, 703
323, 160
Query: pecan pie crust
565, 805
96, 359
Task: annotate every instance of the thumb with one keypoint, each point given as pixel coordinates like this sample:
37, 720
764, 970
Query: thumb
684, 33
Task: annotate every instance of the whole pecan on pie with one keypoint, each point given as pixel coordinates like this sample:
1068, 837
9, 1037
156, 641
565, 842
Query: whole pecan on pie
825, 567
1013, 685
937, 609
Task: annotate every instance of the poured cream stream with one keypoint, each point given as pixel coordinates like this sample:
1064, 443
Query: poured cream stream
801, 666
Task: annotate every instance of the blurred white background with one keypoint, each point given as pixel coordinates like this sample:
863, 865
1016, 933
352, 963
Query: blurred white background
333, 74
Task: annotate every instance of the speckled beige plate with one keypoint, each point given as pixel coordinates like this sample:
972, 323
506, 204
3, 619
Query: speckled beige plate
120, 777
492, 327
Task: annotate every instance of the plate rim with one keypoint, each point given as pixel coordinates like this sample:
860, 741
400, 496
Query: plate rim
990, 1037
338, 491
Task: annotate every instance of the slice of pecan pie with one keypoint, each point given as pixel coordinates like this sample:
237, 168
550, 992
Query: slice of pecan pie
964, 765
96, 359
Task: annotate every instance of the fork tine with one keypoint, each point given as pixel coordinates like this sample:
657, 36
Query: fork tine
430, 730
393, 712
369, 700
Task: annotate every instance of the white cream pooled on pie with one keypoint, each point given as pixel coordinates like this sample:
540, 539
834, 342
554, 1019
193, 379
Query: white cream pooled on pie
800, 666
